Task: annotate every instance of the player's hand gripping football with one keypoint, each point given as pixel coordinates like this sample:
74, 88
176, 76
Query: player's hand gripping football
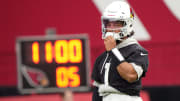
109, 43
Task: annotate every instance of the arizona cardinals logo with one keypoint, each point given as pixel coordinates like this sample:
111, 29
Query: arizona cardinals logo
35, 77
132, 14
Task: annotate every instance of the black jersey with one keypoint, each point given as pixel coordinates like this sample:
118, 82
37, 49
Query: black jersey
133, 53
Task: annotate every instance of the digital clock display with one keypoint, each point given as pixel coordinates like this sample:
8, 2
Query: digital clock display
53, 64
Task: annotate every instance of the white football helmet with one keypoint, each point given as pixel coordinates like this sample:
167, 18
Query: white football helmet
118, 11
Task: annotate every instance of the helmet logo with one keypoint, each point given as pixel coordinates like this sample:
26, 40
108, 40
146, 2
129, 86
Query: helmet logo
132, 14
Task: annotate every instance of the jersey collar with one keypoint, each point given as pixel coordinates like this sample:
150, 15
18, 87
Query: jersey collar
127, 42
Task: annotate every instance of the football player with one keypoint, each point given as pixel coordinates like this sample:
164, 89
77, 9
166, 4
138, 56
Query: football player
118, 71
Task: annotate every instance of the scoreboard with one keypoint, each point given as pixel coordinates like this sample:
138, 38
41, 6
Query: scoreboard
51, 64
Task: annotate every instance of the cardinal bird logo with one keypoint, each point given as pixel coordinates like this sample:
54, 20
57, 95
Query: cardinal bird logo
35, 77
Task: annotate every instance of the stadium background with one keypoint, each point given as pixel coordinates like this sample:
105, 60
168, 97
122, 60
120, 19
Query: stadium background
159, 19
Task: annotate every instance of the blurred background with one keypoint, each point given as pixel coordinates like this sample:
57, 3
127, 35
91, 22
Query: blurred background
157, 24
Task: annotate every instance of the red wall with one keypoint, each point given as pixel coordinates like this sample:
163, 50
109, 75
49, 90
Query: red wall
32, 17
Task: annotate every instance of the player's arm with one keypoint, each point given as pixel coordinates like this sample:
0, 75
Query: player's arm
127, 72
125, 69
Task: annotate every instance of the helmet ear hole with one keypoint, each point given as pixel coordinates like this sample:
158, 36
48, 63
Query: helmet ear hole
121, 34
